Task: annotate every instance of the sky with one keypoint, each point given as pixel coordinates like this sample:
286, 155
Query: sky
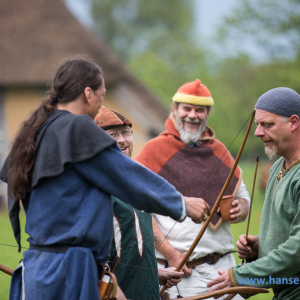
208, 16
208, 13
81, 10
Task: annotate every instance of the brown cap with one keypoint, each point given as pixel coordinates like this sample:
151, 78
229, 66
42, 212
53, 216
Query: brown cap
107, 119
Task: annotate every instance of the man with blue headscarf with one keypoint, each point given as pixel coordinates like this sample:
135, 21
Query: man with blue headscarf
274, 254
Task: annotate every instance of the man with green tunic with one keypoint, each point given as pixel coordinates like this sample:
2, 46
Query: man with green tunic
133, 240
274, 255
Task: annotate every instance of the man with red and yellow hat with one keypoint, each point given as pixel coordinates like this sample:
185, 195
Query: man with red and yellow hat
189, 156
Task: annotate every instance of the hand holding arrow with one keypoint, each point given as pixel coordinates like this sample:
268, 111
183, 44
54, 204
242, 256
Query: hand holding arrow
250, 209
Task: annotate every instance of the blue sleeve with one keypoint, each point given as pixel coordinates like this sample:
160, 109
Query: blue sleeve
116, 174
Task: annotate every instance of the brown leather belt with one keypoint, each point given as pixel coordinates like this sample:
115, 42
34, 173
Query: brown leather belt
209, 259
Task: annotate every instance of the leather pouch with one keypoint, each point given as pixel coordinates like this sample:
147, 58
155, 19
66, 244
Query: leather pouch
225, 207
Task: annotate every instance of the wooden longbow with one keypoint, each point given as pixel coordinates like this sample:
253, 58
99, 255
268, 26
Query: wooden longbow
216, 205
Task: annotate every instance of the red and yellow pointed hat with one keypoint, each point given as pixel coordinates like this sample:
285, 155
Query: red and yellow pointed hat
194, 93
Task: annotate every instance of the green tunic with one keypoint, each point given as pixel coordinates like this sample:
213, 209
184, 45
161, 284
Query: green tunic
279, 235
133, 242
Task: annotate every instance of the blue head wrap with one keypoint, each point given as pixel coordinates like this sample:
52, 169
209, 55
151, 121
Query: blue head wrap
281, 101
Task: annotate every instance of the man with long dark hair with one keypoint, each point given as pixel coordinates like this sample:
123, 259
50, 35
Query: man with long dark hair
64, 169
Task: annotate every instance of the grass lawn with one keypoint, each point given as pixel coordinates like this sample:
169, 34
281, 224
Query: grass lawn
10, 257
258, 200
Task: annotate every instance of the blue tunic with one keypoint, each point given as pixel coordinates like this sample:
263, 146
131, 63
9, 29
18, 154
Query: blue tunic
75, 208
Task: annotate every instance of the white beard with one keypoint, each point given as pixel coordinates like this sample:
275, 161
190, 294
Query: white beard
187, 136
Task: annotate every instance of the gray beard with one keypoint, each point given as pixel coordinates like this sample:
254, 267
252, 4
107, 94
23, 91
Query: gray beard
187, 136
271, 151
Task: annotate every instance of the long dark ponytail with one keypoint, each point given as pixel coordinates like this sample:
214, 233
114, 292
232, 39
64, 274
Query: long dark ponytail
71, 78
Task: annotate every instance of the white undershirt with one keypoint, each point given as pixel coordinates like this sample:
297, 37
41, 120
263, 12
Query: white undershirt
183, 234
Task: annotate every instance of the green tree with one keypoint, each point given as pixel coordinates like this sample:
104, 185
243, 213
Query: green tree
155, 39
157, 42
135, 26
273, 26
235, 98
237, 85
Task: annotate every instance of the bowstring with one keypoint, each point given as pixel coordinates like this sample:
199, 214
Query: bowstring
208, 176
13, 246
162, 270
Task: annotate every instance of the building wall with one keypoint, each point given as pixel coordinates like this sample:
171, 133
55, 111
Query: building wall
15, 106
19, 102
3, 146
